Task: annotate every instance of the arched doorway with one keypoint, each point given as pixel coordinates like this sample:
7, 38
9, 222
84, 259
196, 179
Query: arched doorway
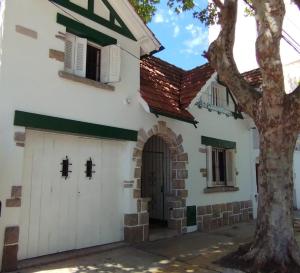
136, 225
156, 180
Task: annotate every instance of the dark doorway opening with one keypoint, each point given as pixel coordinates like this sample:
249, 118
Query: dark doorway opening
156, 180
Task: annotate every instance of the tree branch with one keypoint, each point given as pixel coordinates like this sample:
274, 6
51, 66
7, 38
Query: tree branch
220, 56
297, 2
269, 20
219, 4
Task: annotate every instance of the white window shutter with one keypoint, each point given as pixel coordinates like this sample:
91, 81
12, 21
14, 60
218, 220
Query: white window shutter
115, 63
80, 57
209, 171
222, 96
230, 168
70, 41
110, 64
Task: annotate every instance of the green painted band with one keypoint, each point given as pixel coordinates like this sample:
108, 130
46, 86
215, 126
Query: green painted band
89, 13
83, 31
218, 143
191, 213
37, 121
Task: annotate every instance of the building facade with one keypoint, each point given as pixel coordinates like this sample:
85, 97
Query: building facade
96, 138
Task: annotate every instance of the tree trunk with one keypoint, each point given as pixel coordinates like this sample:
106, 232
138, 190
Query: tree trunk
274, 245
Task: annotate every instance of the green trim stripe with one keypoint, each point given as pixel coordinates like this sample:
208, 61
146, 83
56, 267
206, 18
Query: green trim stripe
91, 5
218, 143
38, 121
89, 13
83, 31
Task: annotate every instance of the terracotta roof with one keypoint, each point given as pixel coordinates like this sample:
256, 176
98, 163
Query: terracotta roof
169, 90
160, 87
253, 77
193, 81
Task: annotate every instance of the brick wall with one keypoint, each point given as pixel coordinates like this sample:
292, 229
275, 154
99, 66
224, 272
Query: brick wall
215, 216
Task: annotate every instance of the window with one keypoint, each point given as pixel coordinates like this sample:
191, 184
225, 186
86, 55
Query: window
216, 97
220, 167
219, 95
88, 61
93, 63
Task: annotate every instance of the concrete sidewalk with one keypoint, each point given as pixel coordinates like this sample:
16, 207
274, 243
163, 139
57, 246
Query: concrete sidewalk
191, 253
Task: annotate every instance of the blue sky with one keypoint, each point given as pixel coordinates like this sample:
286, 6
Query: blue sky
183, 37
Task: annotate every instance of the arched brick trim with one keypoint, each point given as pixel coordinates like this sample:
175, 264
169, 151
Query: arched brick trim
137, 225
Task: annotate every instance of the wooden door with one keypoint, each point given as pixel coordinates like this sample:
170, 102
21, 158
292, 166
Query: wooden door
64, 213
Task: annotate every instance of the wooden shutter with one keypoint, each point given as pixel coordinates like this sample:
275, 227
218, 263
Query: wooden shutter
80, 57
222, 96
209, 176
110, 64
115, 68
230, 168
218, 95
69, 52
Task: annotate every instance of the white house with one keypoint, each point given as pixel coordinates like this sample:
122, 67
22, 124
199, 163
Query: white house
96, 138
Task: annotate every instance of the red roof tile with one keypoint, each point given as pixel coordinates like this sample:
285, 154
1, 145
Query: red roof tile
193, 81
169, 90
253, 77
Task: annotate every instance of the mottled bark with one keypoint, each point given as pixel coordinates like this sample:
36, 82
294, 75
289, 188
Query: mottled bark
220, 56
277, 117
274, 244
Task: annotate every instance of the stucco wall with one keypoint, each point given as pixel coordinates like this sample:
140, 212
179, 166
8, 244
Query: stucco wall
30, 82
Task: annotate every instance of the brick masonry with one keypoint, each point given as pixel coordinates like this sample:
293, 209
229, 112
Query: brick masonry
11, 236
176, 202
15, 197
27, 32
10, 249
211, 217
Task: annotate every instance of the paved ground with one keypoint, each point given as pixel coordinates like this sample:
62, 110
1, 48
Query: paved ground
190, 253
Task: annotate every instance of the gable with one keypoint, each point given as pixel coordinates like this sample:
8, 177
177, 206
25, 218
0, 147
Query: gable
101, 13
215, 96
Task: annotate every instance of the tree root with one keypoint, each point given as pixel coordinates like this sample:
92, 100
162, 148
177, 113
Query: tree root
263, 259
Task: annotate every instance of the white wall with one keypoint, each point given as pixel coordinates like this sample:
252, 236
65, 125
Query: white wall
292, 75
30, 82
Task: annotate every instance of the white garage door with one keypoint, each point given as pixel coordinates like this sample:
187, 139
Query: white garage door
84, 209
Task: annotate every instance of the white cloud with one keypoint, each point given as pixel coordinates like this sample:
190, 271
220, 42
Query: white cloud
159, 18
194, 45
176, 31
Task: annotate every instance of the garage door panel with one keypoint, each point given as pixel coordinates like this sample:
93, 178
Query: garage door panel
47, 202
89, 209
30, 157
111, 190
35, 197
66, 191
61, 214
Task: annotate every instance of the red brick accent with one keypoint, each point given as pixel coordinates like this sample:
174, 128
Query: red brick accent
13, 203
11, 235
15, 200
10, 249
